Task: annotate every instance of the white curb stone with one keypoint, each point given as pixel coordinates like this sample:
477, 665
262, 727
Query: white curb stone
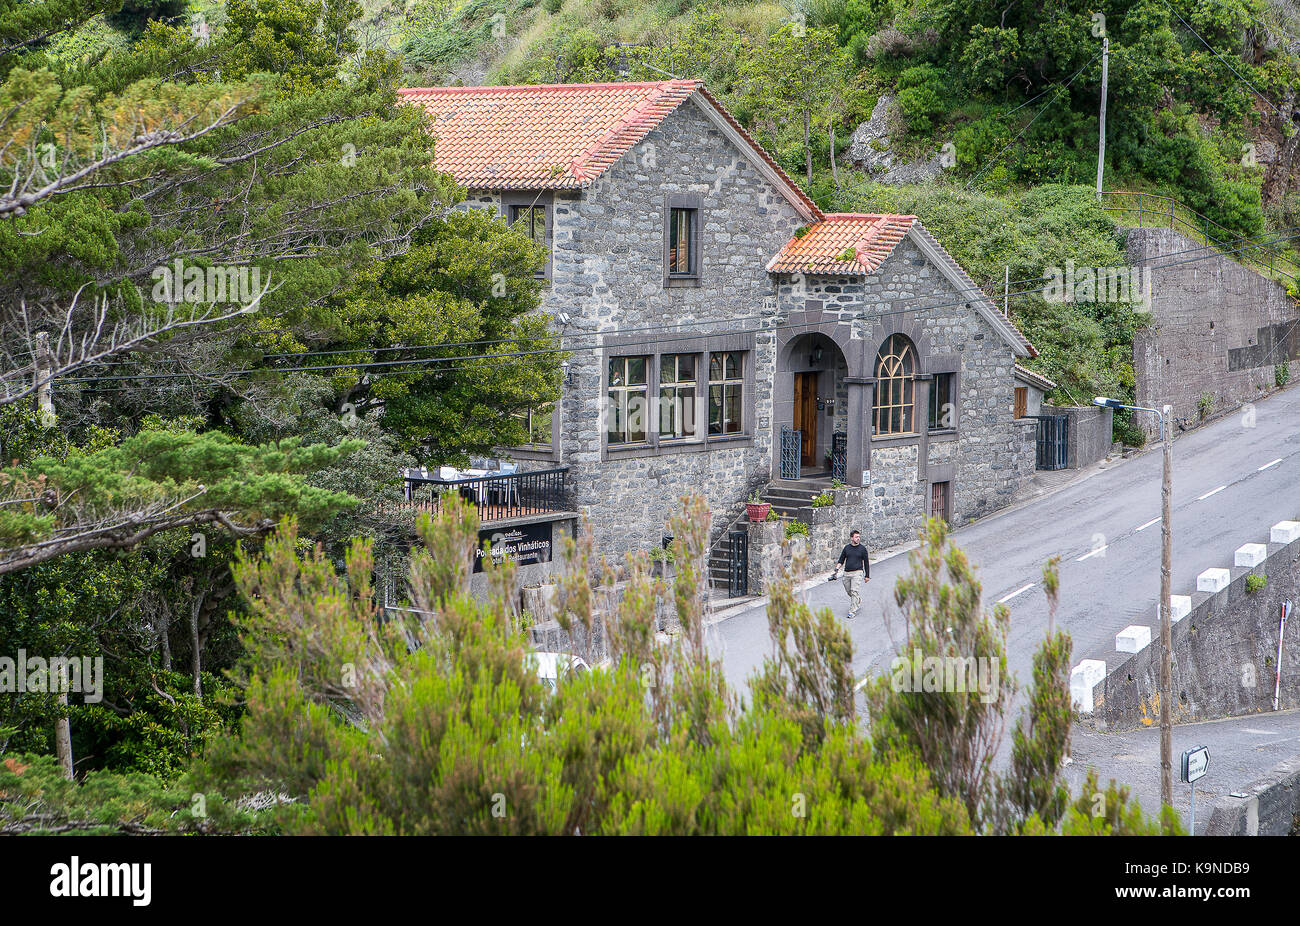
1250, 555
1213, 580
1083, 678
1284, 532
1133, 639
1179, 607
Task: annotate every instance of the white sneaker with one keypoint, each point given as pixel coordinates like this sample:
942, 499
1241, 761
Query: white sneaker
853, 612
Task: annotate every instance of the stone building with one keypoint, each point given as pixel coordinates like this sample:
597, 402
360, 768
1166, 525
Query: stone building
726, 336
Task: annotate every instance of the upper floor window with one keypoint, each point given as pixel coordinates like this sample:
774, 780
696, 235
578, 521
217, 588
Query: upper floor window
726, 388
677, 388
895, 368
943, 402
530, 213
629, 393
531, 220
681, 242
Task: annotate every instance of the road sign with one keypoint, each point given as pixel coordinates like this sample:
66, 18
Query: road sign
1196, 762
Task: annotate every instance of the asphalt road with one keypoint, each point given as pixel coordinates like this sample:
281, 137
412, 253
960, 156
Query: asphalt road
1242, 749
1233, 479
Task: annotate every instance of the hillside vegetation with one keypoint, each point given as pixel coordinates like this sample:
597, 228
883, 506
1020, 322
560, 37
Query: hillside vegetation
1201, 108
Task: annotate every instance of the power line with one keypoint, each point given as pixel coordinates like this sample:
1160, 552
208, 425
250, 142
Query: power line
425, 365
994, 159
1224, 60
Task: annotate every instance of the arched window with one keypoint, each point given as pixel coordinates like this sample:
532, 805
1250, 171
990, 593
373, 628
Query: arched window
895, 366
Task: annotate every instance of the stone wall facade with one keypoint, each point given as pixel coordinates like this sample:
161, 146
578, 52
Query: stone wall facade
983, 457
607, 274
1217, 328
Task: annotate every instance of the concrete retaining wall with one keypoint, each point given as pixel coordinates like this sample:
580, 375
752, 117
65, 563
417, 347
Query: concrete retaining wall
1090, 432
1216, 327
1224, 651
1271, 806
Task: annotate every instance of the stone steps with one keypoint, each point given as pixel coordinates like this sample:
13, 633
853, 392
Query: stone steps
788, 499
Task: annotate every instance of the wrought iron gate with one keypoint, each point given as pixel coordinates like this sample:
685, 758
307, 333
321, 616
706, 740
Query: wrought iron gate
737, 563
791, 452
839, 456
1053, 441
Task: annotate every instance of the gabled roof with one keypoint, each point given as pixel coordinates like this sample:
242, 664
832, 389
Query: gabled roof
843, 243
825, 245
563, 136
1024, 374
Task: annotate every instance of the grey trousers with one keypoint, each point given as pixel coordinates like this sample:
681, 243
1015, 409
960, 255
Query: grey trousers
853, 583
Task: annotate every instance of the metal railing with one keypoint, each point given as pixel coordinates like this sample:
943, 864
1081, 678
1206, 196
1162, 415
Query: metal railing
1150, 210
497, 497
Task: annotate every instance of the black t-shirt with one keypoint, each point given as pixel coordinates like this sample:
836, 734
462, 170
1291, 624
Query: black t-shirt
854, 559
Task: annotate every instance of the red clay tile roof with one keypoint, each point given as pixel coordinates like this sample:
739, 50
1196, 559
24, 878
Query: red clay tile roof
556, 136
857, 243
826, 245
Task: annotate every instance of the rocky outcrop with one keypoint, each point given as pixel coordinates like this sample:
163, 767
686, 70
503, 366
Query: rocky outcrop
871, 148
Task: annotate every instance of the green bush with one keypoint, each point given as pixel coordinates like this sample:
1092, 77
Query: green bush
824, 500
1282, 373
921, 97
795, 527
1255, 582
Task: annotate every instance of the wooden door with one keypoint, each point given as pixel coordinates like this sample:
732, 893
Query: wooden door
939, 500
805, 416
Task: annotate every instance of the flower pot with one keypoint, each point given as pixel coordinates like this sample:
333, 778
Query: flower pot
757, 512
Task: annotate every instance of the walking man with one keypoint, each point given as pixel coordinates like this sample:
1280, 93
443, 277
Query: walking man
857, 571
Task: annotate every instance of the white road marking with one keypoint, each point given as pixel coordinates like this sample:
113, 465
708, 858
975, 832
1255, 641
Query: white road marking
862, 684
1024, 588
1259, 732
1209, 493
1149, 523
1101, 549
1269, 465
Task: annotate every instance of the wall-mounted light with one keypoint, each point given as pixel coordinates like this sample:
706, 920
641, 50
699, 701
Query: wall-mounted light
815, 357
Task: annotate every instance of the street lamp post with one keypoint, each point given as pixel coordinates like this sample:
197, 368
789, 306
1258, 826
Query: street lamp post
1166, 565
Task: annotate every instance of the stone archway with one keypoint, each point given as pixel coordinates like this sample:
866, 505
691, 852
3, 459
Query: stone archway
818, 392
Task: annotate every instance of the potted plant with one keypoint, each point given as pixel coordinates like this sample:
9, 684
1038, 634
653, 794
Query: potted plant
756, 508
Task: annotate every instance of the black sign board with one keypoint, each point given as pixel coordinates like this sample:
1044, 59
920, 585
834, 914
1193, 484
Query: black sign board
526, 544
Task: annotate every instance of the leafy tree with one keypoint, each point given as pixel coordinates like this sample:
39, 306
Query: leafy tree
956, 729
792, 78
430, 720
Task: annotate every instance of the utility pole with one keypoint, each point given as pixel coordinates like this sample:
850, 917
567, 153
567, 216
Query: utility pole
1166, 565
44, 365
1101, 139
1006, 291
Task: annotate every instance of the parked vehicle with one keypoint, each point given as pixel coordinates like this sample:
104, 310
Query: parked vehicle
551, 667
